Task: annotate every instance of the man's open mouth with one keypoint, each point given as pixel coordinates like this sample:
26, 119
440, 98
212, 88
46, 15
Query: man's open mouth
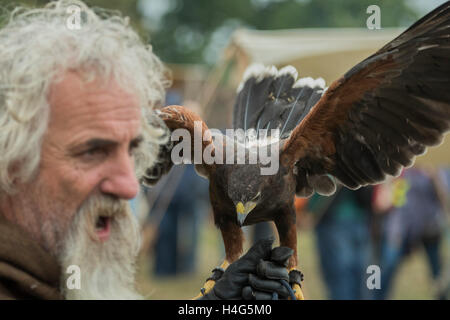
102, 228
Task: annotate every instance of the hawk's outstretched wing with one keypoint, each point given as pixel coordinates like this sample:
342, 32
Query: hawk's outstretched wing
381, 114
177, 117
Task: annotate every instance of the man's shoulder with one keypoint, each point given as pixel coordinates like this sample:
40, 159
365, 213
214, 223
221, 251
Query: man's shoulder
27, 271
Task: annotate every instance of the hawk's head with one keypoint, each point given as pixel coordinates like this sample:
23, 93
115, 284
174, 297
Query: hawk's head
251, 191
245, 188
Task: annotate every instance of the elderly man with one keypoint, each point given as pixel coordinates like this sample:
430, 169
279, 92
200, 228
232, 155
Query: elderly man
77, 133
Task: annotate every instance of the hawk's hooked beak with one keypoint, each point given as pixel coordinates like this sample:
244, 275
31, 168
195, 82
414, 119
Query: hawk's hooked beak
243, 209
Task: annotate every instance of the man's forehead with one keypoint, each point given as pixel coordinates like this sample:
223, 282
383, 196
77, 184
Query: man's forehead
77, 106
72, 88
72, 96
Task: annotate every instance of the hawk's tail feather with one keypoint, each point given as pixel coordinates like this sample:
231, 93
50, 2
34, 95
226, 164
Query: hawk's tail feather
269, 98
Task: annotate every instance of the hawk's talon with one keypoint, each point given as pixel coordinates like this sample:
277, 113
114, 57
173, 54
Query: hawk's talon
209, 284
295, 279
217, 273
211, 281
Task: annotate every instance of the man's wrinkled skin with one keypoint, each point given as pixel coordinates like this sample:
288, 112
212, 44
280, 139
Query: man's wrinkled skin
87, 150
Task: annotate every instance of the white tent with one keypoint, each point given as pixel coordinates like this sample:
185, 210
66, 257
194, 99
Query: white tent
326, 53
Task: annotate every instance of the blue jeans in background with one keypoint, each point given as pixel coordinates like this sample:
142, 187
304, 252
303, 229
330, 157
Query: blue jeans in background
345, 251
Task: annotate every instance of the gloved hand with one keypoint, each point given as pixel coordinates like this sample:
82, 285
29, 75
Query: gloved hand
269, 274
255, 275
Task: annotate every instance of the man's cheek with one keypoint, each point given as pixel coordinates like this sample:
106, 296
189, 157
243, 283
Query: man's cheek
72, 186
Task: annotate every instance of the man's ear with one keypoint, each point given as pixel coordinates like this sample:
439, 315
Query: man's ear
15, 175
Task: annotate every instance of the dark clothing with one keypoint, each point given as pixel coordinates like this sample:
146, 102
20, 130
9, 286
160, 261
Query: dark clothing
27, 271
344, 251
417, 214
184, 207
417, 218
343, 241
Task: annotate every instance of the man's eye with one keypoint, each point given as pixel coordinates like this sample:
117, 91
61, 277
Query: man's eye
93, 153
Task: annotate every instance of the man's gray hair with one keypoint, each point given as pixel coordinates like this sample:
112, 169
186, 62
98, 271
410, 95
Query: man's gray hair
37, 46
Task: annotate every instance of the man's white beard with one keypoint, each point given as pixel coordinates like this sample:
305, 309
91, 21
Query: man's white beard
107, 268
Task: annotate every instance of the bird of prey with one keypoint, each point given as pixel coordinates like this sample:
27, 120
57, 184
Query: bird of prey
366, 125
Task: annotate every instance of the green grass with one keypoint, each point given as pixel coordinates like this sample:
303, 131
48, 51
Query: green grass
413, 279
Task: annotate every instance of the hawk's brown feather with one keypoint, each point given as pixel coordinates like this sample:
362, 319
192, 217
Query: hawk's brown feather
383, 112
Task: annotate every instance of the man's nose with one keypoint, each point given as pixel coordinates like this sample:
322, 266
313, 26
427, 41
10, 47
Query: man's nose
121, 179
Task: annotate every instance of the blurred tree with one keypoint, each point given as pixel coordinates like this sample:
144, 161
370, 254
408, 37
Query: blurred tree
196, 31
188, 31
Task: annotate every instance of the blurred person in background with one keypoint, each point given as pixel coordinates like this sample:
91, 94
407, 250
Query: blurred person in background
343, 240
179, 203
412, 206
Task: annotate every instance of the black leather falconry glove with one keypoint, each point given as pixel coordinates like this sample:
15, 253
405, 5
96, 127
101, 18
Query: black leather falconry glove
269, 277
254, 275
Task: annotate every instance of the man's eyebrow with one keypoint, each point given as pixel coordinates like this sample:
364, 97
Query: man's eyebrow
98, 143
91, 144
102, 143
